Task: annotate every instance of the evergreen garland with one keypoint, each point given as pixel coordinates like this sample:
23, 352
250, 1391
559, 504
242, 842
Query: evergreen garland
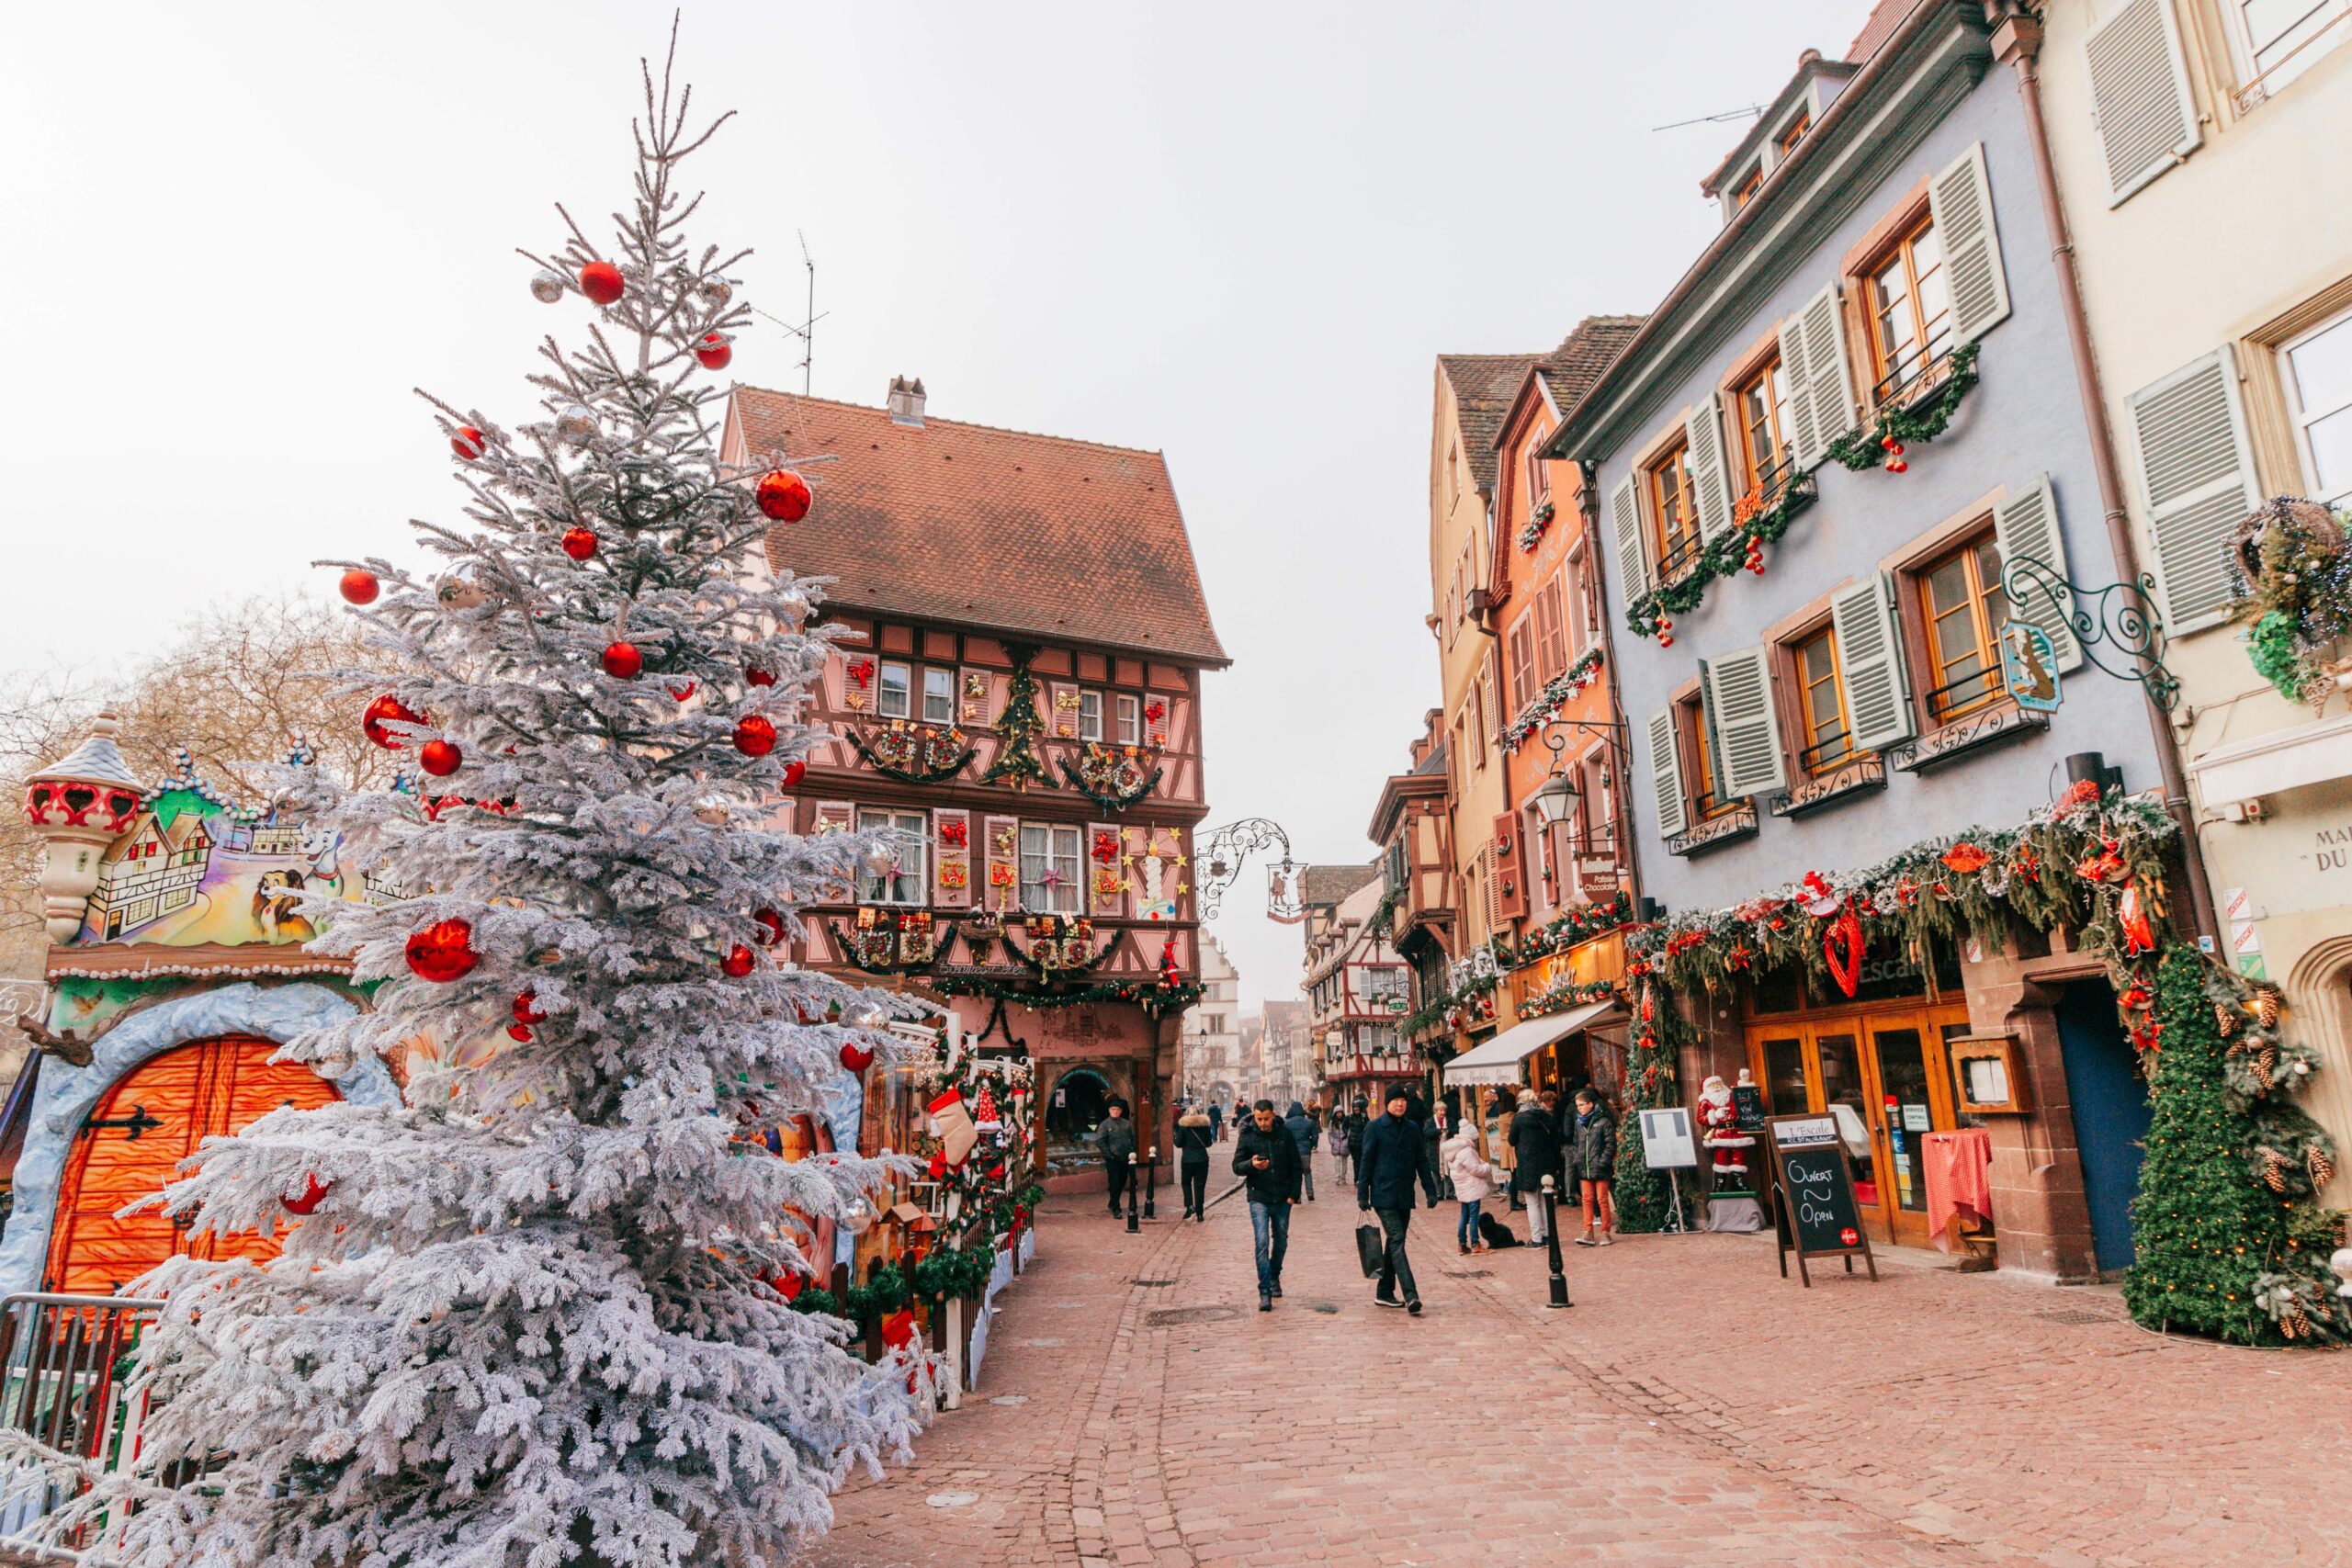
1865, 447
2292, 578
2229, 1241
1643, 1198
1022, 727
924, 772
1721, 555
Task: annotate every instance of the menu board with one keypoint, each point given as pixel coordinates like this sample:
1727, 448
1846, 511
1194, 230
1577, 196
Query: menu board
1812, 1185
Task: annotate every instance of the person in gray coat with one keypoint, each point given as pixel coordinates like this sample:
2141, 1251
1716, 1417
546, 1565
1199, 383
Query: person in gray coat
1301, 1126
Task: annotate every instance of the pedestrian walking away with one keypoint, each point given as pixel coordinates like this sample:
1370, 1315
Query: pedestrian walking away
1535, 1153
1335, 1138
1432, 1180
1265, 1156
1357, 1122
1389, 1172
1116, 1139
1217, 1122
1473, 1179
1596, 1163
1192, 1139
1302, 1130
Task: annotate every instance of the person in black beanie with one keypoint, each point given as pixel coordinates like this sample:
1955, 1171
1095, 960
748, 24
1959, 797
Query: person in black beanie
1116, 1138
1386, 1179
1265, 1156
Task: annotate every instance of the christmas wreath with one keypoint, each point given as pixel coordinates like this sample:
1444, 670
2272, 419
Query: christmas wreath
1881, 440
916, 754
1111, 777
2292, 579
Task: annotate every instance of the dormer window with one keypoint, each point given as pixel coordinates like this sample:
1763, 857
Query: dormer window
1744, 191
1794, 133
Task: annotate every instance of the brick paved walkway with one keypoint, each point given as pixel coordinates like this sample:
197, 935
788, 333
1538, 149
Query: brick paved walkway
1690, 1408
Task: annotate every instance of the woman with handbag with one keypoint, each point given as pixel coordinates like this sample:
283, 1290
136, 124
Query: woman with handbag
1193, 1135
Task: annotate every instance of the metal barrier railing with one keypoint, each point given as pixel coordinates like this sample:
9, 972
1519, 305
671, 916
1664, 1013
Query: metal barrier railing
64, 1382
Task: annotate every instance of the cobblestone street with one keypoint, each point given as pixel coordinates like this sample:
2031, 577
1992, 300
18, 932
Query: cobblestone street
1136, 1408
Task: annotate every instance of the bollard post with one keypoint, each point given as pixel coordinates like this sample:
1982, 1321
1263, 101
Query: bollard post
1134, 1210
1151, 1183
1552, 1235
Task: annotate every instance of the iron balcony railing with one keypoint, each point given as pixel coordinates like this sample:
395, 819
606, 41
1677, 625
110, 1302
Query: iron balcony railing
1832, 751
1966, 693
1916, 371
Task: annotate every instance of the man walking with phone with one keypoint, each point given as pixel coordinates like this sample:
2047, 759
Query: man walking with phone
1387, 1177
1265, 1156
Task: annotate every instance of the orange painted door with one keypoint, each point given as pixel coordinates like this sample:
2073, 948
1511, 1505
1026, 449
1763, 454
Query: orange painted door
132, 1143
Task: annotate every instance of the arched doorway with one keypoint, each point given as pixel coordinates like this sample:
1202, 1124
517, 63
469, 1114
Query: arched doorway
132, 1143
1072, 1111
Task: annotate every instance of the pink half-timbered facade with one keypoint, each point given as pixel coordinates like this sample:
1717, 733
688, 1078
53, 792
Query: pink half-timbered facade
1019, 701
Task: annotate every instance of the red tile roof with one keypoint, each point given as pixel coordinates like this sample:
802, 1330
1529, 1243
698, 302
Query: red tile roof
1483, 385
1033, 536
1570, 369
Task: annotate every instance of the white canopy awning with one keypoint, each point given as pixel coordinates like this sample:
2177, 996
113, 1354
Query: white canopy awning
1497, 1062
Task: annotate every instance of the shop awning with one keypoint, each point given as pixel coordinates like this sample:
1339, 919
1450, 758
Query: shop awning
1497, 1061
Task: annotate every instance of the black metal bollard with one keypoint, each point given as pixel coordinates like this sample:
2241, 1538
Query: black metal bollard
1134, 1210
1552, 1235
1151, 1185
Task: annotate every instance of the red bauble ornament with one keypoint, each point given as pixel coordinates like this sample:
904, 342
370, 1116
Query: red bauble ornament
440, 758
1889, 443
519, 1032
383, 710
314, 1192
771, 922
789, 1286
738, 962
754, 736
622, 661
679, 693
359, 587
782, 495
526, 1006
856, 1057
579, 543
794, 772
443, 951
937, 1168
714, 351
602, 282
469, 443
1897, 465
759, 677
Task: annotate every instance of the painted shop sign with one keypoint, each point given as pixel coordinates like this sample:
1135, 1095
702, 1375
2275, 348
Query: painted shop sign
2331, 849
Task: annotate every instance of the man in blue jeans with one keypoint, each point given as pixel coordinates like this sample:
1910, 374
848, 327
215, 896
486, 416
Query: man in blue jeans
1387, 1177
1265, 1156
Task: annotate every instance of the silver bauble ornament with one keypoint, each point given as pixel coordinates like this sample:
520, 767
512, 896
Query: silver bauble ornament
576, 424
716, 290
867, 1016
793, 605
711, 811
881, 860
457, 592
547, 287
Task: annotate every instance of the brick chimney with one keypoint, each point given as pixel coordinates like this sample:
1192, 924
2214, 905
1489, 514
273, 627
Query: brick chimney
906, 401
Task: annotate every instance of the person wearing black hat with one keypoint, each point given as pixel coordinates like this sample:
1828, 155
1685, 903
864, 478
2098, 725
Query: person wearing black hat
1265, 1156
1388, 1176
1116, 1138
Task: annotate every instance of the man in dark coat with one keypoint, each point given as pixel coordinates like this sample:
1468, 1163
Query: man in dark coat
1217, 1122
1303, 1131
1192, 1141
1432, 1180
1116, 1138
1265, 1156
1355, 1123
1535, 1153
1387, 1173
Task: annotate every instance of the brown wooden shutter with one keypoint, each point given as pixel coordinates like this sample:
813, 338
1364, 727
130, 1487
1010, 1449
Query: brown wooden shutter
1523, 684
946, 825
1555, 636
1107, 895
1510, 870
1001, 852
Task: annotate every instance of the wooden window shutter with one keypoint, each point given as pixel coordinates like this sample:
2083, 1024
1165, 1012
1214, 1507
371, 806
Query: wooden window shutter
1740, 694
1961, 199
1556, 632
1107, 894
1061, 709
1486, 892
1805, 442
2140, 96
1633, 550
1665, 774
2198, 472
974, 696
1709, 478
1002, 847
951, 862
836, 816
1510, 870
2026, 525
1829, 391
1523, 684
1870, 665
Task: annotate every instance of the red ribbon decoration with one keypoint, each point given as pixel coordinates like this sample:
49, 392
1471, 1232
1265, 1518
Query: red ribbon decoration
1845, 931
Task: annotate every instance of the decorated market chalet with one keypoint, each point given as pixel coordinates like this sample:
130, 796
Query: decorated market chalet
1022, 704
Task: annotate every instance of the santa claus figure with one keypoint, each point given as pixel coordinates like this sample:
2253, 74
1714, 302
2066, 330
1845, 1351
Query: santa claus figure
1719, 1130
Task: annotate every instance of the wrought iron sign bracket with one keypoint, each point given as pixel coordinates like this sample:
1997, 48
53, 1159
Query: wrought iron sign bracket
2121, 618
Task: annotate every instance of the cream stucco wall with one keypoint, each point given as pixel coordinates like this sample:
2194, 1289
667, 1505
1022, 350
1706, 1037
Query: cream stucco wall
2230, 246
1458, 517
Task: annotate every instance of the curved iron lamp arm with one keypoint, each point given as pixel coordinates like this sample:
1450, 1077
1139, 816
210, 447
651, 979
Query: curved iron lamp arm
2121, 618
1217, 857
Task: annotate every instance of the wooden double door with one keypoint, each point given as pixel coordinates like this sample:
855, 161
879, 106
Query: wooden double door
131, 1145
1884, 1075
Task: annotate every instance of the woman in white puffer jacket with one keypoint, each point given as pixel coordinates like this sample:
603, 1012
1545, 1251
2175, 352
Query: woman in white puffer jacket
1473, 1179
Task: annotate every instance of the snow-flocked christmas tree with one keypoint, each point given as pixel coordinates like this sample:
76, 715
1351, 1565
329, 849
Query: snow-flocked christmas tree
524, 1319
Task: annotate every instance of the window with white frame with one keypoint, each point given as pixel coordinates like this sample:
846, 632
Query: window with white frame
2278, 41
1384, 983
1090, 716
1128, 712
1049, 869
904, 882
939, 696
896, 695
2319, 389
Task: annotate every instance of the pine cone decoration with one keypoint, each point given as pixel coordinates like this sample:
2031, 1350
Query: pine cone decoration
2226, 1019
2294, 1324
2267, 1006
2322, 1168
2274, 1171
2265, 1064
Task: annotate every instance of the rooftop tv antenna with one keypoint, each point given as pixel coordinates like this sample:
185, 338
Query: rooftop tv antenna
807, 330
1712, 118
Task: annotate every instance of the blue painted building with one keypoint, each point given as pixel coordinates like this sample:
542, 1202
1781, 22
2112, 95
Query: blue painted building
1884, 265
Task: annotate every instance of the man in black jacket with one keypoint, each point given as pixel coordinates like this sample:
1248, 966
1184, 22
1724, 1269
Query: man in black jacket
1386, 1176
1115, 1137
1265, 1156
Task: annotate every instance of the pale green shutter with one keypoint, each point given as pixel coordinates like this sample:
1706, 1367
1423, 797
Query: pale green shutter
2197, 470
1632, 555
1709, 476
1960, 200
1805, 442
1739, 693
2140, 97
1665, 774
1828, 389
2025, 523
1870, 665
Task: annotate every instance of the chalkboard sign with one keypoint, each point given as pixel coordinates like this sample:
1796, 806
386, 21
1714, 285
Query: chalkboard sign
1747, 1103
1814, 1195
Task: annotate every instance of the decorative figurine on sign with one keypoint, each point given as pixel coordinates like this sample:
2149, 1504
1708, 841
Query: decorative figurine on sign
1719, 1130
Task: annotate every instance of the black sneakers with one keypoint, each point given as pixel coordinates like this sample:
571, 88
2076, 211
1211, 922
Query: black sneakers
1379, 1300
1278, 1289
1413, 1307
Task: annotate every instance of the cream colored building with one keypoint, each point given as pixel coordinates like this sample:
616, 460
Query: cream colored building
2201, 148
1211, 1042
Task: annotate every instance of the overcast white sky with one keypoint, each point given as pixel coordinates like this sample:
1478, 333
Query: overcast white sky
1239, 233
